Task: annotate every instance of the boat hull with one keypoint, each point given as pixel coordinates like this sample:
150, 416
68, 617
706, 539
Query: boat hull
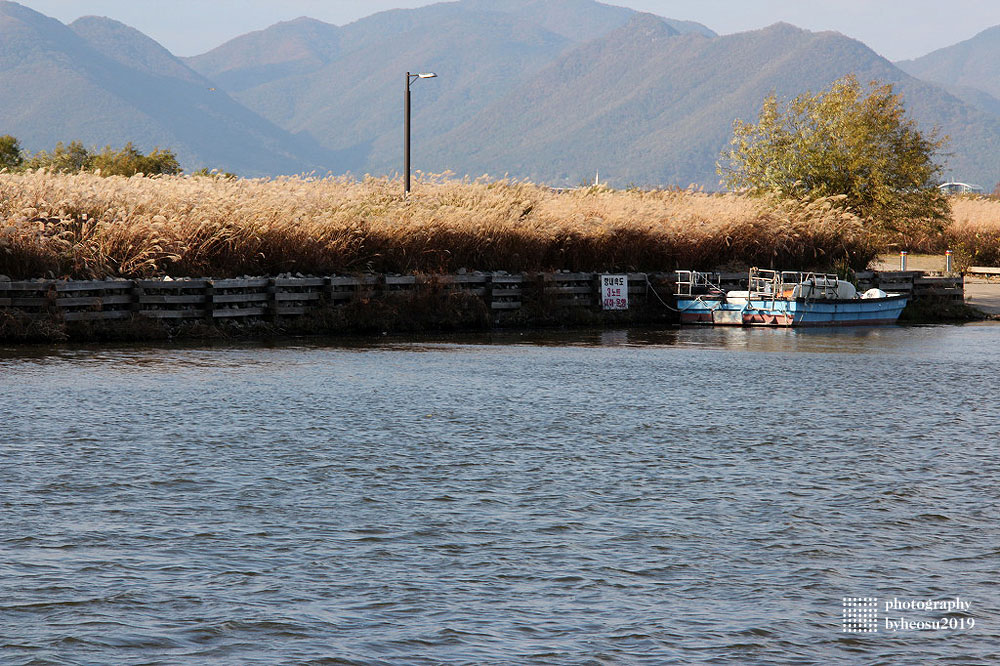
789, 312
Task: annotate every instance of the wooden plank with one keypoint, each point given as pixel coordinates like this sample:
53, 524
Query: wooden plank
29, 302
502, 293
292, 310
568, 277
470, 278
932, 291
506, 305
939, 282
508, 279
94, 316
569, 290
29, 286
172, 285
344, 281
173, 314
299, 282
254, 283
110, 285
453, 281
400, 280
94, 301
168, 299
241, 298
297, 296
239, 312
115, 299
983, 270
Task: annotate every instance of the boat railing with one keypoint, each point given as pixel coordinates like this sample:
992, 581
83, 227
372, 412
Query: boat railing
782, 284
695, 283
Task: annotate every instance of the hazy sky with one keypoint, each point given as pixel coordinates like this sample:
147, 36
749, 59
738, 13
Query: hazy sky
896, 29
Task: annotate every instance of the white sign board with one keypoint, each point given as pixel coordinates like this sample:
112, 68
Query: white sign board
614, 292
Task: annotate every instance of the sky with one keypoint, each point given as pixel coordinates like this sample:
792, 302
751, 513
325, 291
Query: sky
897, 30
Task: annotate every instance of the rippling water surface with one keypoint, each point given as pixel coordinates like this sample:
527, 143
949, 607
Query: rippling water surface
692, 496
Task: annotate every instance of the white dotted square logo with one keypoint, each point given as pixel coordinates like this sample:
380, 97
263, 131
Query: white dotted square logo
860, 615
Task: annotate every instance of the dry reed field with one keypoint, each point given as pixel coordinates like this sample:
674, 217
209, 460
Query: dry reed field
84, 226
974, 233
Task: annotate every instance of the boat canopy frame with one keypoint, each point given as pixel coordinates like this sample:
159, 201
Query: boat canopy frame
695, 283
772, 284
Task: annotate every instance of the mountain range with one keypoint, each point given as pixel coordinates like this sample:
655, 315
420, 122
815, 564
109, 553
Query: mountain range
552, 90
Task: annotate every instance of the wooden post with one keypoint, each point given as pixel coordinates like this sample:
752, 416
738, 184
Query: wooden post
209, 300
328, 291
272, 299
135, 303
540, 286
488, 292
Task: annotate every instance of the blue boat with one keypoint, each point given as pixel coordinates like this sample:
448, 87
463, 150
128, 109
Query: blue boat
783, 298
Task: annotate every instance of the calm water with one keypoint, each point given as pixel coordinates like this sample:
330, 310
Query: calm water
693, 496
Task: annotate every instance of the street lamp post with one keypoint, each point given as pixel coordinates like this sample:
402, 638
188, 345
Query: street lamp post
410, 78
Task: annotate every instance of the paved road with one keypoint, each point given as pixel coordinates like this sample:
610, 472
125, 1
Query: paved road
983, 294
980, 292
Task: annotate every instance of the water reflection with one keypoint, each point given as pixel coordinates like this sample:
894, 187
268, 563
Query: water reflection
844, 340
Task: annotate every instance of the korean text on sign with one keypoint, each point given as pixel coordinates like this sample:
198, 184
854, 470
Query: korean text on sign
614, 292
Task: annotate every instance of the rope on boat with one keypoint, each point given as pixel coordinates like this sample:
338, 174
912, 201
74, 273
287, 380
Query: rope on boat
649, 285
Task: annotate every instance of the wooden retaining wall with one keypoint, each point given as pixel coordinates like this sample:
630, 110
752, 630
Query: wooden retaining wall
915, 284
284, 297
288, 297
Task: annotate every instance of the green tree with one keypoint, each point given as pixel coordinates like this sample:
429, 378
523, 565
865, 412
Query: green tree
845, 141
11, 156
129, 161
64, 159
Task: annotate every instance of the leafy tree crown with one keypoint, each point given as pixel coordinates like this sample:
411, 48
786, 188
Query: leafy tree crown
848, 142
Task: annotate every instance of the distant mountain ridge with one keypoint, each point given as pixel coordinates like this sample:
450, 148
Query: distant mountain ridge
970, 70
974, 63
533, 88
103, 83
553, 90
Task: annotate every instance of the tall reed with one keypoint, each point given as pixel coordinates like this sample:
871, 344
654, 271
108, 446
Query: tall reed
86, 226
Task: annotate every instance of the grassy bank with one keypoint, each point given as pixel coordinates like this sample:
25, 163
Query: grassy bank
84, 226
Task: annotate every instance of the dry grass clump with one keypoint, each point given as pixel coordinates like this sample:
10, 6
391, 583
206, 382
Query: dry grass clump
85, 226
974, 233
